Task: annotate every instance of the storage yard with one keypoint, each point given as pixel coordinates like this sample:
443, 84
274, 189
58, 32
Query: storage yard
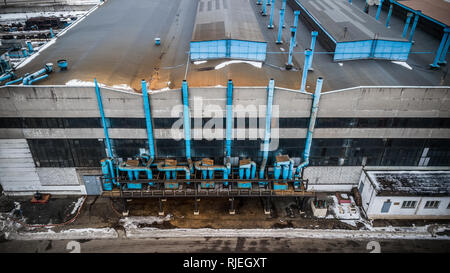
225, 114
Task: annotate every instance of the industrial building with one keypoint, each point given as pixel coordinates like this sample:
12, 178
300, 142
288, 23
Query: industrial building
147, 120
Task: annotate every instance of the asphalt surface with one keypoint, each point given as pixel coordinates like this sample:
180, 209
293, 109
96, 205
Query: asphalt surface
227, 245
115, 44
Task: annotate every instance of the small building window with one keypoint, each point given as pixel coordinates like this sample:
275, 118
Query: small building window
409, 204
432, 204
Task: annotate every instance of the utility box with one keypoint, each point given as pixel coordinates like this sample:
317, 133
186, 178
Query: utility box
319, 205
280, 186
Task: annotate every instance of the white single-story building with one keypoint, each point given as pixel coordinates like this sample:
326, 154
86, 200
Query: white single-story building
405, 193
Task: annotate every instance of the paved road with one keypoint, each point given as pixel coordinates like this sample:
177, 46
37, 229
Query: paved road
227, 245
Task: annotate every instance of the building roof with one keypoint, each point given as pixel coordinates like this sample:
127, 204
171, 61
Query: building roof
226, 19
439, 10
411, 183
347, 22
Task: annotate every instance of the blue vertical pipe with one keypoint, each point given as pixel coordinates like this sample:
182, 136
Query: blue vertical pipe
51, 33
270, 26
305, 69
314, 35
291, 47
264, 8
391, 7
148, 119
413, 28
229, 116
270, 91
102, 114
30, 47
280, 26
312, 122
408, 21
379, 10
441, 48
187, 124
296, 14
444, 52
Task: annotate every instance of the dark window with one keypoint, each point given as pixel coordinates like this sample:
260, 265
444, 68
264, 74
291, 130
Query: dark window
432, 204
409, 204
135, 123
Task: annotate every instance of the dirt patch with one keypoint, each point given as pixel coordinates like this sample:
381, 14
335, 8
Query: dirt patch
56, 211
6, 204
163, 225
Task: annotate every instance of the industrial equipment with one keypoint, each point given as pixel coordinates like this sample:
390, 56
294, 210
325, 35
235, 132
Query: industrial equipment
38, 75
146, 175
62, 64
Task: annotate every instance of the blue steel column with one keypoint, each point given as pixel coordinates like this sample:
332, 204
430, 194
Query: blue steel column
296, 14
102, 114
264, 8
408, 20
229, 116
305, 69
267, 131
313, 44
187, 124
291, 48
280, 26
441, 48
444, 52
148, 119
413, 28
391, 7
270, 26
379, 10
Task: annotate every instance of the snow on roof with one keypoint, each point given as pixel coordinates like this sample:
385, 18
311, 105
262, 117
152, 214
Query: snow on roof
435, 183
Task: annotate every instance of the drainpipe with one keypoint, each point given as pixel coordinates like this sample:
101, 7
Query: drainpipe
51, 33
391, 6
296, 14
312, 122
280, 26
229, 129
187, 123
413, 28
270, 26
308, 53
441, 48
270, 90
314, 35
148, 119
102, 114
24, 52
379, 10
408, 20
291, 48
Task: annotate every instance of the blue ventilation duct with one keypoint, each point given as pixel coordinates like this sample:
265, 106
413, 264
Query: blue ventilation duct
270, 90
312, 122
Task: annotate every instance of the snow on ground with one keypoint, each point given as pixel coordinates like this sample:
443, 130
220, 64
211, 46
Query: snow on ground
404, 64
345, 211
70, 234
23, 16
285, 233
199, 62
222, 65
76, 82
77, 204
